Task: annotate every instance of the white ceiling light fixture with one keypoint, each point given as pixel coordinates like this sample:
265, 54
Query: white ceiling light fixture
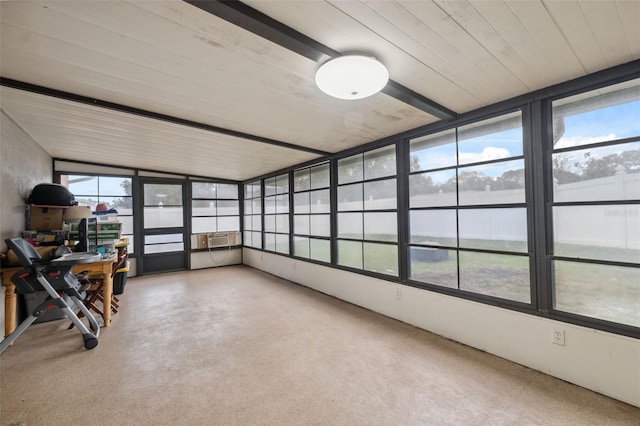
352, 77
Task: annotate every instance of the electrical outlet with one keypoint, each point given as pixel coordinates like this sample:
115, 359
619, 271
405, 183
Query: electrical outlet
557, 336
398, 294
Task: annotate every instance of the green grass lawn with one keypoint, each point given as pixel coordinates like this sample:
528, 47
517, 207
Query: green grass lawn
606, 292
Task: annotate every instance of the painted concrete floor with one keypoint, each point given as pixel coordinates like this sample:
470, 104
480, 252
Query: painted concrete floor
235, 346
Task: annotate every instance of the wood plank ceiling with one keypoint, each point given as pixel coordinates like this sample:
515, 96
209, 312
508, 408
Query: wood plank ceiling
172, 59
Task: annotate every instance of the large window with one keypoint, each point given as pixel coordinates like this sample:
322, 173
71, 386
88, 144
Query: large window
467, 211
113, 191
596, 204
536, 209
253, 215
276, 213
214, 207
368, 211
311, 208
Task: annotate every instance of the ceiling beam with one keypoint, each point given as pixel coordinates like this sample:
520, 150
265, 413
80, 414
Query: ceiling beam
15, 84
252, 20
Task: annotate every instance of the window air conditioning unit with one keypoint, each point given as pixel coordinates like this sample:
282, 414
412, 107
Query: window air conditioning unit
223, 239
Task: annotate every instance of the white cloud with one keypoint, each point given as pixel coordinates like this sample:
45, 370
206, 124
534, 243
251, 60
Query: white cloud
489, 153
583, 140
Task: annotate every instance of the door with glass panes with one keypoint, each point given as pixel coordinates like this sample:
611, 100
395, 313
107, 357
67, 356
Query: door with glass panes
163, 226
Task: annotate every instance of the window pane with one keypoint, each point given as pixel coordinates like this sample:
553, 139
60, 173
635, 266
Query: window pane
282, 184
256, 223
606, 292
381, 258
604, 232
381, 226
282, 243
496, 183
203, 190
433, 151
380, 162
301, 224
434, 266
350, 169
248, 207
282, 223
320, 201
252, 190
301, 180
301, 203
493, 229
228, 207
270, 186
163, 243
301, 246
270, 223
282, 203
606, 173
163, 217
350, 197
227, 191
269, 205
164, 238
114, 186
127, 224
320, 176
203, 224
203, 208
132, 245
81, 185
124, 205
162, 195
320, 250
231, 223
380, 195
163, 248
256, 239
350, 225
270, 241
495, 275
256, 206
433, 227
350, 254
433, 189
320, 225
499, 137
605, 114
257, 190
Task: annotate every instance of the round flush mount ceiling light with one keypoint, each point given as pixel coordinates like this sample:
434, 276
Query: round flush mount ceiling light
352, 77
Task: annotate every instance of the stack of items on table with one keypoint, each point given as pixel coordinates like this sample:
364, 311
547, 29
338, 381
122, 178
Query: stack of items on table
56, 221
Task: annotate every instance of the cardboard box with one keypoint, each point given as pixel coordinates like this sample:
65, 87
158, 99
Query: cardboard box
75, 213
45, 218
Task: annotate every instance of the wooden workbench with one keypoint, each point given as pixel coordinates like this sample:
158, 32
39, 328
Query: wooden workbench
103, 267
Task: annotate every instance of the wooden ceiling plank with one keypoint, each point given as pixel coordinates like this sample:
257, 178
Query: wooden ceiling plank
560, 61
492, 40
629, 13
472, 55
605, 23
291, 39
574, 26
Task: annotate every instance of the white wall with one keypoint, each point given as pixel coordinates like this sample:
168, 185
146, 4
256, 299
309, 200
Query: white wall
24, 164
215, 258
604, 362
